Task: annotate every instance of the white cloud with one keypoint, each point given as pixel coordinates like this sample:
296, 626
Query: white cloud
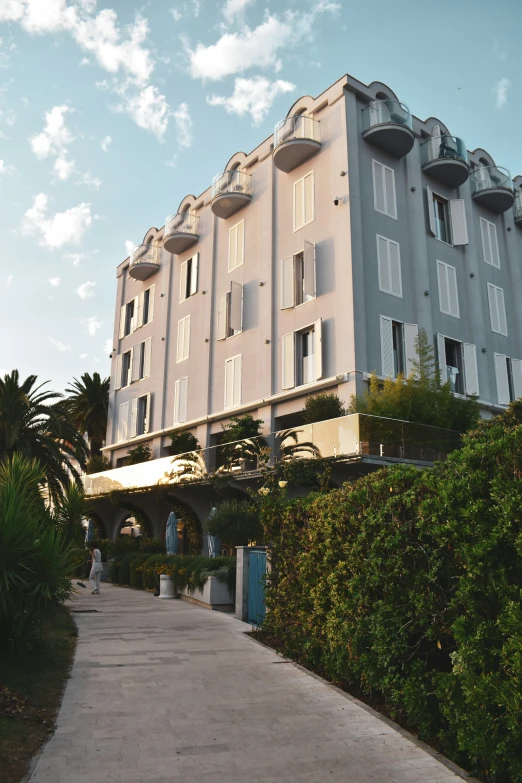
63, 228
92, 324
107, 348
252, 96
85, 290
176, 14
75, 257
146, 106
103, 85
92, 182
63, 167
105, 143
6, 168
55, 135
9, 281
184, 125
54, 281
83, 355
129, 246
237, 52
59, 345
234, 10
501, 90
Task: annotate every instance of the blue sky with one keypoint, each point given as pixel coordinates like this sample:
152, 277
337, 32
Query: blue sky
111, 112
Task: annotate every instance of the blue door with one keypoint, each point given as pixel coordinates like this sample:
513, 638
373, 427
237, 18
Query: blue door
256, 587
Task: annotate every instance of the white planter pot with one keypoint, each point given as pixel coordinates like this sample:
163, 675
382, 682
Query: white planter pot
166, 587
214, 593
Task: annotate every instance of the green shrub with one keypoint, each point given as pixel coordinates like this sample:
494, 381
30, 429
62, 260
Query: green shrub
322, 406
124, 569
235, 523
97, 464
136, 570
191, 572
140, 453
114, 571
406, 587
182, 443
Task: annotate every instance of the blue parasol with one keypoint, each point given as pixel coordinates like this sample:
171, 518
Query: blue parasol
171, 537
214, 546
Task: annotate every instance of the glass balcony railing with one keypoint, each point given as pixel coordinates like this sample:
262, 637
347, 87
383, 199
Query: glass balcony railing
518, 207
145, 254
386, 112
350, 437
443, 148
232, 182
182, 223
490, 178
299, 127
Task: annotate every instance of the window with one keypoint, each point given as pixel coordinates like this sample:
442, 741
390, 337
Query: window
233, 382
230, 312
140, 415
384, 199
458, 365
126, 368
188, 282
298, 278
147, 306
123, 421
389, 262
180, 400
182, 349
127, 319
236, 246
398, 347
141, 356
489, 243
497, 310
302, 356
447, 219
448, 295
509, 378
304, 201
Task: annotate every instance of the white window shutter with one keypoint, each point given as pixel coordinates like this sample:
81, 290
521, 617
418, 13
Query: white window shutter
151, 303
383, 266
501, 309
240, 243
134, 418
431, 211
411, 333
287, 283
123, 318
452, 291
493, 241
448, 295
222, 317
232, 248
441, 351
318, 349
183, 396
135, 362
388, 368
516, 372
194, 274
459, 227
147, 354
237, 380
394, 260
309, 197
123, 421
117, 377
135, 316
470, 368
389, 186
183, 282
486, 246
186, 338
141, 309
298, 204
493, 312
148, 414
379, 197
309, 269
288, 360
176, 402
501, 372
236, 307
229, 383
180, 340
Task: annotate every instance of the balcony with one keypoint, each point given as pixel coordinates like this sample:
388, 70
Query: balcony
181, 231
445, 158
231, 191
518, 208
144, 261
388, 125
357, 439
491, 186
295, 140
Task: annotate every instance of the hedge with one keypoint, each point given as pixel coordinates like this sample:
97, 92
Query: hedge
136, 570
406, 588
124, 569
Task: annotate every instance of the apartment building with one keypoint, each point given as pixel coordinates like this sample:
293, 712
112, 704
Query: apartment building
313, 261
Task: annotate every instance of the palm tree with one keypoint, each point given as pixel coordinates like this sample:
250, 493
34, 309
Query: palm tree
69, 513
87, 404
32, 425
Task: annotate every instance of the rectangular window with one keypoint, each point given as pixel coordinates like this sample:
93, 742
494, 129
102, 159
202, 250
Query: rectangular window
180, 400
454, 365
497, 310
302, 356
123, 422
126, 369
236, 246
448, 294
384, 199
458, 365
143, 415
489, 243
298, 277
230, 312
127, 319
389, 263
147, 306
233, 382
188, 283
447, 219
183, 344
304, 211
441, 215
398, 347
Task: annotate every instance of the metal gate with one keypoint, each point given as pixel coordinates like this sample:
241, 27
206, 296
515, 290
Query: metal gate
256, 587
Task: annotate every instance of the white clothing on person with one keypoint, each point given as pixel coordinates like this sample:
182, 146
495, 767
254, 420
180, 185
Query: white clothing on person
96, 570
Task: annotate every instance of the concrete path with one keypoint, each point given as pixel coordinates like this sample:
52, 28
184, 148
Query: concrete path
167, 691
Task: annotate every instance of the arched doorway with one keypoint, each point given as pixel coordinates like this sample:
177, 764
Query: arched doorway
190, 535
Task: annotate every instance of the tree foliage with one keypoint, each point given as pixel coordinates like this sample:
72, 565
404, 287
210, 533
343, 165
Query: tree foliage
87, 405
420, 397
140, 453
322, 406
182, 443
236, 523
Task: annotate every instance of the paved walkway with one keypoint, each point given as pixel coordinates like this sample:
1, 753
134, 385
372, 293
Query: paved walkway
167, 691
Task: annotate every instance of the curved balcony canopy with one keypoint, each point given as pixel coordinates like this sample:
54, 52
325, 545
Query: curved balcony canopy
295, 140
181, 231
387, 123
518, 208
445, 158
231, 190
144, 262
492, 187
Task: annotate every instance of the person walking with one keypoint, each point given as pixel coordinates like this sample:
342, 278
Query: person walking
96, 568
